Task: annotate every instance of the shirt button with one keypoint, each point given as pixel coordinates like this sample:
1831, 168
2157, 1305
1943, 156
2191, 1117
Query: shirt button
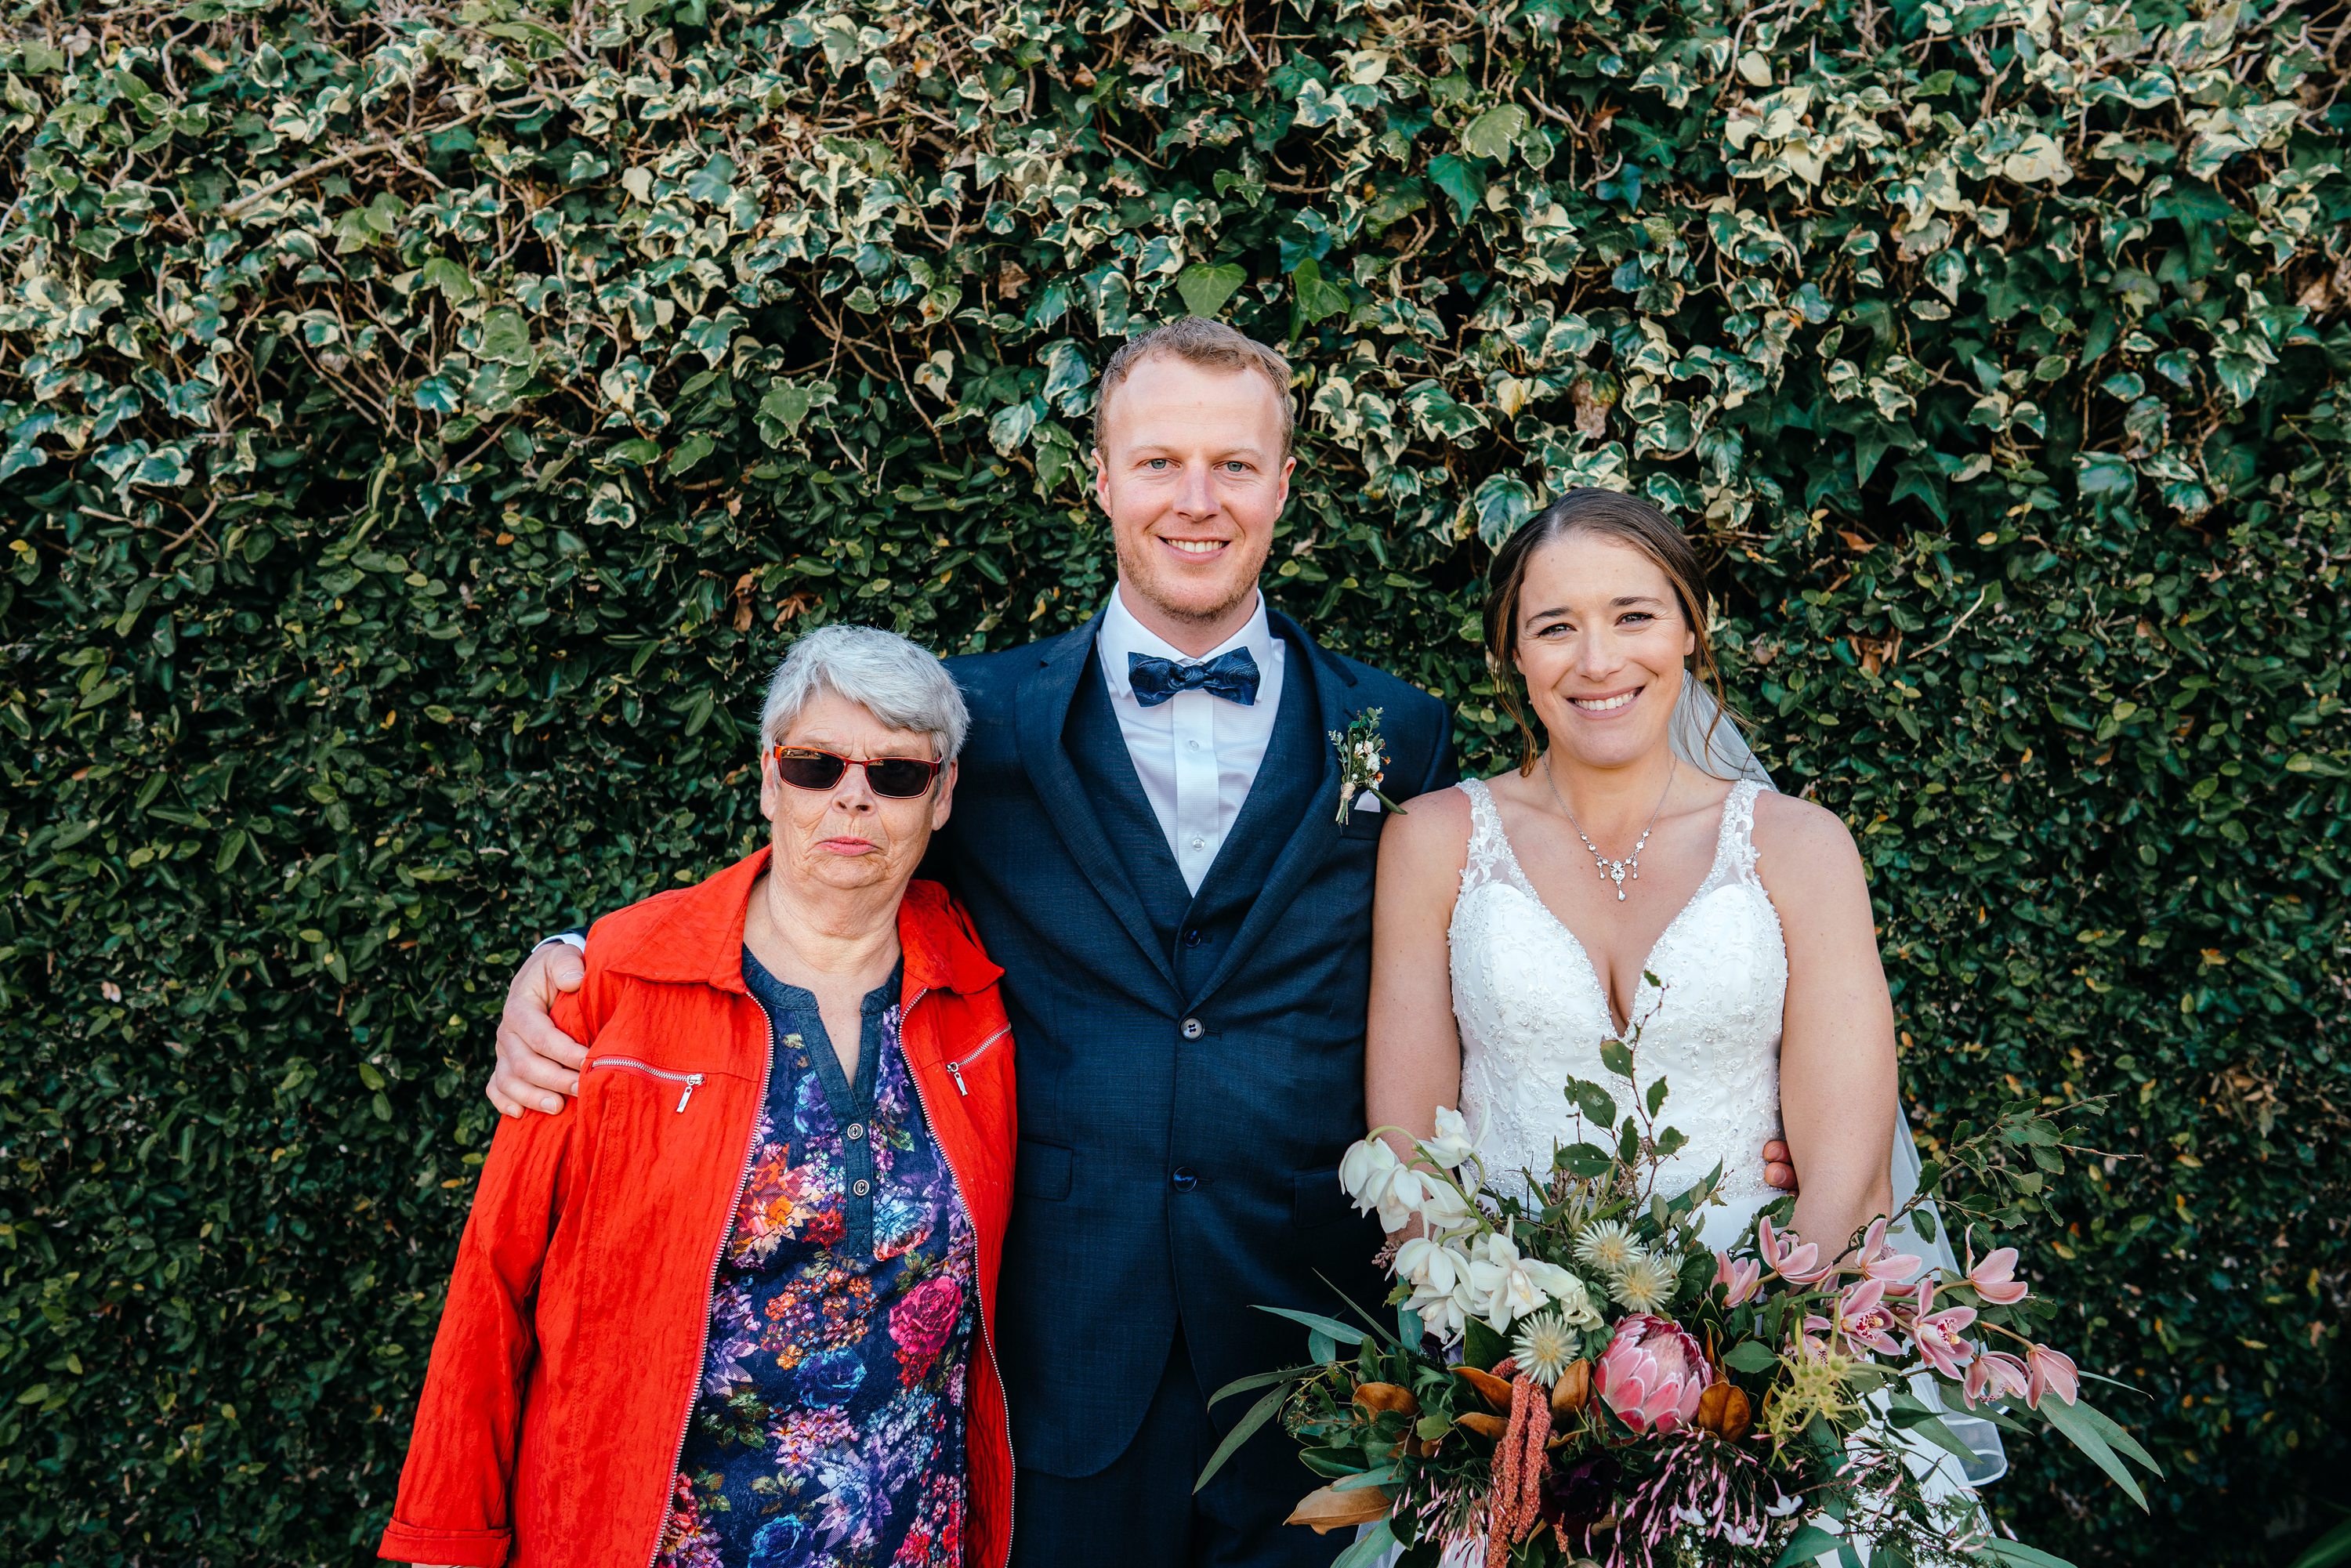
1199, 842
1192, 745
856, 1130
1185, 1179
1191, 1029
860, 1187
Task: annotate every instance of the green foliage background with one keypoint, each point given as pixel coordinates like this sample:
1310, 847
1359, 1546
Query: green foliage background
424, 423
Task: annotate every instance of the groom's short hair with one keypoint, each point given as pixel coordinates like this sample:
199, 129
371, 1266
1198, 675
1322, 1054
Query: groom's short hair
1197, 340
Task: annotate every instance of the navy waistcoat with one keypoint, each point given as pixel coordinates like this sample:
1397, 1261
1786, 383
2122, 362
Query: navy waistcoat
1195, 931
1183, 1107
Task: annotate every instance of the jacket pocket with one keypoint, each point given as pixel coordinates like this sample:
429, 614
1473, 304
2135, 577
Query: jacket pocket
684, 1082
956, 1065
1317, 1199
1043, 1172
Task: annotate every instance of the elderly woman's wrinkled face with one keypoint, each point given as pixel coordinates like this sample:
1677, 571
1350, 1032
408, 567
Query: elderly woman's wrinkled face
848, 837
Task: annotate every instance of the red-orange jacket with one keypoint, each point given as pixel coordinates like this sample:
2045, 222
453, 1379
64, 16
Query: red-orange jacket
569, 1351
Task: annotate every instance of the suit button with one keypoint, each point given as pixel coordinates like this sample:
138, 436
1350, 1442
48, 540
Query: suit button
1194, 938
1185, 1179
1191, 1029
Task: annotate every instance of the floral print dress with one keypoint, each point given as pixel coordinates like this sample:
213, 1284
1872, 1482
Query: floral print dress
829, 1427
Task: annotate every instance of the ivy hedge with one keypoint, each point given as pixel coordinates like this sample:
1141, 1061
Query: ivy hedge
422, 425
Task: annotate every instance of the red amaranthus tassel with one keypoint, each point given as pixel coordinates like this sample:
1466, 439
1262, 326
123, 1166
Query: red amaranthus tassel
1528, 1394
1503, 1497
1512, 1504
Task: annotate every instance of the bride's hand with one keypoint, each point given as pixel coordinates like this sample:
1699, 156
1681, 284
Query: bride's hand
1778, 1167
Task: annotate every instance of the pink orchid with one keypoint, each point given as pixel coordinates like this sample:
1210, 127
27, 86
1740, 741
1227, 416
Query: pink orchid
1812, 1336
1938, 1334
2053, 1373
1743, 1278
1863, 1314
1880, 1261
1995, 1277
1786, 1254
1997, 1376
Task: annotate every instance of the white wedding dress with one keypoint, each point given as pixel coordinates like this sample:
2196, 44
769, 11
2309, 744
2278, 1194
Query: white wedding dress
1532, 1012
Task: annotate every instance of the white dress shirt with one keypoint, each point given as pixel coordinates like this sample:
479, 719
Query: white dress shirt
1195, 754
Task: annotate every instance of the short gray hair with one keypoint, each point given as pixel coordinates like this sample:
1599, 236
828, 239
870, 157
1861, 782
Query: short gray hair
895, 679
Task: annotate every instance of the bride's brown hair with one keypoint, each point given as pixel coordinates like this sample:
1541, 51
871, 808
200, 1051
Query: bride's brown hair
1628, 519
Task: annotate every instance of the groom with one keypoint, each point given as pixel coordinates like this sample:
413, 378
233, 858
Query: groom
1147, 834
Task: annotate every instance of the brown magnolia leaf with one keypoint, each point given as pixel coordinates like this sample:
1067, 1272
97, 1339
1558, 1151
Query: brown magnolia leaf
1495, 1391
1326, 1509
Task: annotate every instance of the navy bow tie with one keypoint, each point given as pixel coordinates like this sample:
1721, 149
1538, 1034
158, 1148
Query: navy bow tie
1232, 676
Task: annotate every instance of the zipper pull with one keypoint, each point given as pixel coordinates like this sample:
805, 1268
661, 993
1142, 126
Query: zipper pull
693, 1083
955, 1070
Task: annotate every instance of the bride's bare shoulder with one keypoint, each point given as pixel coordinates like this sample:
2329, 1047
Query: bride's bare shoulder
1797, 841
1431, 833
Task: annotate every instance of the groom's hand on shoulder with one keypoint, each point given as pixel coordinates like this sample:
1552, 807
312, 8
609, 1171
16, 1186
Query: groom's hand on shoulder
539, 1064
1778, 1165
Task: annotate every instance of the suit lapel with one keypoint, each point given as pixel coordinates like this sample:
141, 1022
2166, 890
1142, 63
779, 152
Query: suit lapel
1044, 716
1312, 839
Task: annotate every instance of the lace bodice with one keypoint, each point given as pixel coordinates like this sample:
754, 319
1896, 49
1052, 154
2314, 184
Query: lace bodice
1532, 1012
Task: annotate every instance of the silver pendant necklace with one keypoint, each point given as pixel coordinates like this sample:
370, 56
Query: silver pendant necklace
1630, 866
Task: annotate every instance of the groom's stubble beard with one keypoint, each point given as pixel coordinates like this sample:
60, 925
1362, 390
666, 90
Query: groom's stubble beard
1139, 576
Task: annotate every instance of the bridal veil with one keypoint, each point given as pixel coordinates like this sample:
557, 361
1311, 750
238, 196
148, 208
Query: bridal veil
1710, 740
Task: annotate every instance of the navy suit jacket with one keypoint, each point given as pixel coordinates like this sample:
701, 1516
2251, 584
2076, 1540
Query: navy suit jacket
1187, 1079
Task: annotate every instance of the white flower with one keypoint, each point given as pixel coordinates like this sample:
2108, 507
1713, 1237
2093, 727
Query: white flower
1574, 1302
1377, 1180
1439, 1274
1504, 1286
1608, 1246
1430, 1265
1451, 1147
1643, 1285
1445, 1316
1400, 1199
1546, 1346
1446, 1207
1364, 1171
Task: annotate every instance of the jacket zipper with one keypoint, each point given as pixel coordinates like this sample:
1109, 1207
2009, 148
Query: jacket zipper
955, 1069
692, 1081
718, 1256
987, 1340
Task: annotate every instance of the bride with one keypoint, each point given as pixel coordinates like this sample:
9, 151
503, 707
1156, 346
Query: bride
1637, 878
1617, 885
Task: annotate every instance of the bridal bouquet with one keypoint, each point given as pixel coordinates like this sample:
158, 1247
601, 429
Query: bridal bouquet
1575, 1378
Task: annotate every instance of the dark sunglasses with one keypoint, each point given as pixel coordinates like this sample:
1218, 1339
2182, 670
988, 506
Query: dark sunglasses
892, 777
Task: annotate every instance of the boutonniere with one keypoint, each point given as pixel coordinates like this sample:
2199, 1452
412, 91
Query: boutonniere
1363, 762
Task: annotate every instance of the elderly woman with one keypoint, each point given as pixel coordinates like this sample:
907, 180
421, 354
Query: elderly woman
735, 1309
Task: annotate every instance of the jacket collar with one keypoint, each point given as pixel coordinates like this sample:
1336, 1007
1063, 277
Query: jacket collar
694, 936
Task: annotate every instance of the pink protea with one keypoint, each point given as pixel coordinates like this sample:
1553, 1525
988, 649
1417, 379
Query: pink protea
2051, 1372
1743, 1278
1995, 1277
1651, 1374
